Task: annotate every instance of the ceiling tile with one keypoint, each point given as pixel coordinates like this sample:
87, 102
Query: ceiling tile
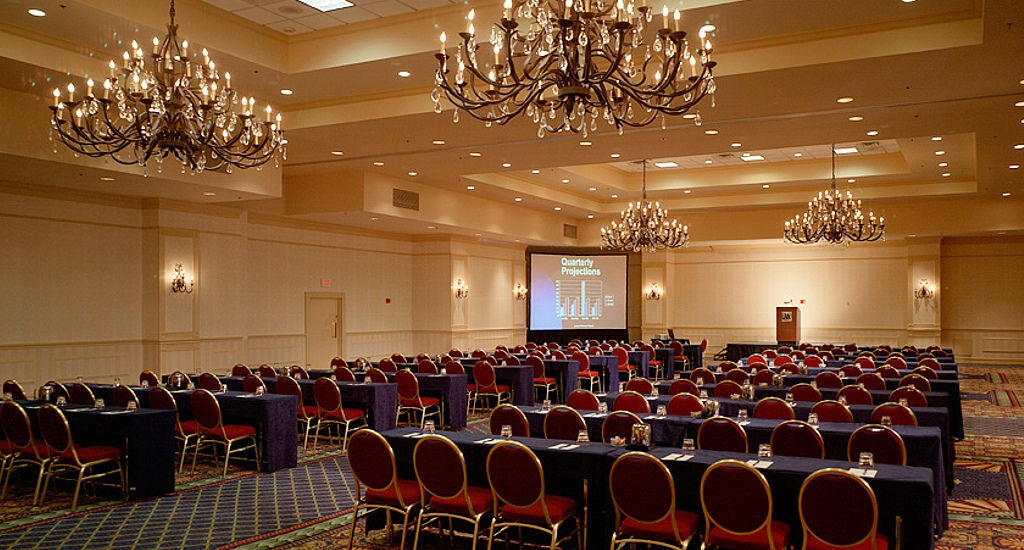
385, 8
354, 14
291, 9
289, 26
230, 5
425, 4
259, 15
320, 21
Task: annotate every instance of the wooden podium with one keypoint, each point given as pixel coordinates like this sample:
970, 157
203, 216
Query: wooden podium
787, 325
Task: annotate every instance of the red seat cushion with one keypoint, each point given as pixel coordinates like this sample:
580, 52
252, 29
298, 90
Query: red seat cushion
92, 453
480, 497
662, 530
589, 374
543, 380
679, 358
626, 367
559, 508
350, 414
41, 450
491, 389
470, 387
755, 541
309, 410
188, 427
814, 543
231, 431
6, 447
410, 491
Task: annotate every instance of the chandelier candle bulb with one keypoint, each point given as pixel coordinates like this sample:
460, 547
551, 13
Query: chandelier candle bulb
664, 17
676, 17
56, 97
444, 38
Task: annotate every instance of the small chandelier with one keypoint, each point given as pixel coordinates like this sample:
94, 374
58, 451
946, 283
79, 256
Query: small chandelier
177, 106
178, 283
644, 227
461, 289
519, 291
566, 63
834, 218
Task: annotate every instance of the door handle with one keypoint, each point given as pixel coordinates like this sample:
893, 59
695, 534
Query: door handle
334, 329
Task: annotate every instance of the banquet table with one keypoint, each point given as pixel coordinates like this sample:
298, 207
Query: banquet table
944, 366
146, 436
518, 377
608, 367
451, 388
904, 491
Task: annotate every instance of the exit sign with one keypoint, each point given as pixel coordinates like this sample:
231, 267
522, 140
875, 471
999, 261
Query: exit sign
325, 283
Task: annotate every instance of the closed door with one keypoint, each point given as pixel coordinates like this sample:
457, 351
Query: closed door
323, 331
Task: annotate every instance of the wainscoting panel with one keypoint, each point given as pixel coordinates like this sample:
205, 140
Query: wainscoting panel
34, 365
276, 349
986, 346
218, 355
376, 344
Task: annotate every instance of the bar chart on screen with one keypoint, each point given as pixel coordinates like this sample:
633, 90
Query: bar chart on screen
580, 299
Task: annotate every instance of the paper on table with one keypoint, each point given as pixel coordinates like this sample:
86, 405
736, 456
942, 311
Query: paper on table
763, 464
570, 447
863, 472
415, 435
679, 457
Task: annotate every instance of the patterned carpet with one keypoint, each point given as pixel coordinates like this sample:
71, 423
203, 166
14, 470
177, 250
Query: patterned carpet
308, 507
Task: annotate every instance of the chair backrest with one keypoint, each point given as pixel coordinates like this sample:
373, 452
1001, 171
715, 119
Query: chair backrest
769, 354
855, 395
727, 388
509, 415
720, 433
426, 367
898, 362
782, 360
684, 404
251, 383
122, 395
916, 380
832, 411
864, 362
797, 355
851, 371
789, 368
501, 353
377, 376
373, 463
558, 354
328, 396
914, 396
512, 360
516, 477
16, 425
756, 358
59, 390
583, 400
441, 469
240, 370
455, 367
773, 408
683, 386
455, 352
81, 394
898, 414
828, 379
736, 497
784, 350
871, 381
881, 441
483, 374
618, 424
338, 362
813, 361
161, 398
857, 526
925, 355
622, 355
887, 371
208, 381
205, 409
737, 375
397, 358
297, 372
563, 422
677, 347
763, 376
926, 372
702, 376
640, 385
805, 393
631, 401
387, 365
286, 385
797, 438
930, 362
421, 356
538, 365
344, 374
266, 371
643, 491
55, 429
149, 378
940, 353
478, 354
583, 359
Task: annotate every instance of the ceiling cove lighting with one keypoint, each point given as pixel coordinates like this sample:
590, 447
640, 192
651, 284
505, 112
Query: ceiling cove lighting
567, 64
643, 227
177, 106
404, 74
751, 158
667, 164
36, 12
834, 218
845, 150
327, 5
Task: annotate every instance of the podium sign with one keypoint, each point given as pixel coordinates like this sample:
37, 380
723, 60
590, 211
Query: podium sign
787, 325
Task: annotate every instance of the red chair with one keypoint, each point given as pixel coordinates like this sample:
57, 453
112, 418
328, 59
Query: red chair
266, 371
208, 382
917, 381
864, 362
658, 372
240, 370
677, 354
644, 495
826, 355
871, 381
387, 365
727, 366
898, 362
595, 350
727, 389
251, 383
939, 353
563, 422
828, 379
887, 371
773, 408
926, 372
850, 348
373, 465
788, 368
702, 376
784, 350
929, 362
590, 376
640, 385
583, 400
685, 404
456, 353
185, 431
797, 355
756, 358
331, 412
738, 376
858, 525
521, 501
914, 396
419, 357
558, 355
494, 361
805, 393
376, 376
898, 414
624, 367
121, 395
832, 411
855, 395
411, 402
426, 367
509, 415
305, 414
298, 373
441, 472
882, 442
769, 354
732, 522
631, 401
338, 362
764, 377
813, 361
782, 360
148, 379
618, 423
797, 438
483, 374
80, 394
68, 457
851, 371
344, 374
21, 449
541, 381
511, 361
213, 431
683, 386
454, 367
399, 358
720, 433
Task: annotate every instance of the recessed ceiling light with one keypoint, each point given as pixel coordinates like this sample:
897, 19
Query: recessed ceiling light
519, 199
374, 218
404, 74
615, 155
438, 142
209, 194
327, 5
431, 227
565, 180
586, 143
1019, 104
34, 12
939, 153
378, 163
845, 99
475, 154
106, 178
286, 91
592, 189
945, 174
476, 234
711, 132
1014, 166
687, 191
856, 118
766, 186
558, 208
936, 138
1006, 194
908, 1
798, 155
737, 145
506, 165
413, 174
851, 180
470, 187
751, 158
872, 132
709, 161
615, 196
845, 150
667, 164
535, 171
590, 216
943, 164
337, 153
1019, 146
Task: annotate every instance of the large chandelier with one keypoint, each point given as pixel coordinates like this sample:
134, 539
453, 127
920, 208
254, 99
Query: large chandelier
834, 218
644, 227
177, 106
566, 63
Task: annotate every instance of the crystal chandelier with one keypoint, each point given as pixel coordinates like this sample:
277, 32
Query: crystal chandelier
834, 218
644, 227
566, 63
177, 106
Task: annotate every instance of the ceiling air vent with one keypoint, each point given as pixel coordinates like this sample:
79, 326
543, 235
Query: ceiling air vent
401, 198
569, 230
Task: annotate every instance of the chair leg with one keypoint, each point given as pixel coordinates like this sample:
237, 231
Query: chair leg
352, 532
227, 458
78, 487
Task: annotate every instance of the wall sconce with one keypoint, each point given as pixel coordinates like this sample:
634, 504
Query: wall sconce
461, 289
653, 292
519, 291
178, 282
925, 291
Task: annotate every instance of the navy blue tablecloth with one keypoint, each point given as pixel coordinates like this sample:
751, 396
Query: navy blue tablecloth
608, 367
451, 388
519, 378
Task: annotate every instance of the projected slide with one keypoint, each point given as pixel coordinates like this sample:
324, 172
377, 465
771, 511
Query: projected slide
577, 292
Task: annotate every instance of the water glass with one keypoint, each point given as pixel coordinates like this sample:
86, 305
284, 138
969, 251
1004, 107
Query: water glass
334, 377
842, 399
662, 410
546, 405
867, 460
131, 406
367, 380
741, 414
223, 388
654, 392
703, 394
61, 401
688, 445
583, 438
444, 370
145, 383
622, 387
734, 396
602, 407
506, 431
117, 381
789, 397
764, 450
903, 402
428, 427
100, 403
190, 386
887, 420
8, 396
79, 379
260, 390
812, 419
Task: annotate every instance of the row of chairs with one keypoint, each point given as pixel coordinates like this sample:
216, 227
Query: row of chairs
920, 378
758, 360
